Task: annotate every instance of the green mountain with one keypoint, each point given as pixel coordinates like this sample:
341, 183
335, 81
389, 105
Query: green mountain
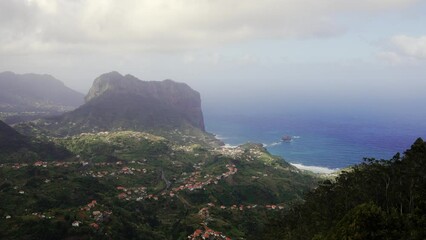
116, 103
27, 96
124, 175
17, 148
142, 168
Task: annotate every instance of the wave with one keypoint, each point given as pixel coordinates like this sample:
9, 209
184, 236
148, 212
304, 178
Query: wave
271, 144
230, 146
315, 169
220, 137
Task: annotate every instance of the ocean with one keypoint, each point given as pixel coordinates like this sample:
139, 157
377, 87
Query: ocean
321, 144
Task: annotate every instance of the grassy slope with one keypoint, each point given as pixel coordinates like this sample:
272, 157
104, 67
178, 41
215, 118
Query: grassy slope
60, 191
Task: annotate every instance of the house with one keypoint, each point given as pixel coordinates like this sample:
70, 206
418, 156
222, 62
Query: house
92, 204
197, 233
94, 225
76, 224
38, 164
122, 195
96, 213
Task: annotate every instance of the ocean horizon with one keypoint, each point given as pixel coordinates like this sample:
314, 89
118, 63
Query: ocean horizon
320, 144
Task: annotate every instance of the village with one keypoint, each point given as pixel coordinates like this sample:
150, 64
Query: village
95, 215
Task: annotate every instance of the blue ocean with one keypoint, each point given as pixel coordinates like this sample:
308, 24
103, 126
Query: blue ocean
320, 142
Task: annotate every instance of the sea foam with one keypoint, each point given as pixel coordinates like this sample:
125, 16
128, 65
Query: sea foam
315, 169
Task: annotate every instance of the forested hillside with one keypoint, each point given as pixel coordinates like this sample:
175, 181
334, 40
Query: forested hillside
378, 199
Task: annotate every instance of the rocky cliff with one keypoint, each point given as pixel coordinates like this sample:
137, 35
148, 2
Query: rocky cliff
156, 98
116, 102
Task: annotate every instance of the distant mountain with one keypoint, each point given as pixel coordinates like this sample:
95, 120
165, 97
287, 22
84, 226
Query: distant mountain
15, 147
39, 94
152, 103
144, 167
116, 102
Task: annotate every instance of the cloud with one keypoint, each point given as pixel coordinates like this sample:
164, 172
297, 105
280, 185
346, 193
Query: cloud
39, 26
404, 49
410, 46
390, 57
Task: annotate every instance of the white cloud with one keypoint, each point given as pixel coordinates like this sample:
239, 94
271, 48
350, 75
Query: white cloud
410, 46
403, 49
167, 25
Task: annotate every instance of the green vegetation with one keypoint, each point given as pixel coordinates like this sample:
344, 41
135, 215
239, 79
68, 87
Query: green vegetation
378, 199
127, 144
146, 187
18, 148
138, 185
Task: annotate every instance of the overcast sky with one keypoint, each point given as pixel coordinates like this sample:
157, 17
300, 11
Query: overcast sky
237, 53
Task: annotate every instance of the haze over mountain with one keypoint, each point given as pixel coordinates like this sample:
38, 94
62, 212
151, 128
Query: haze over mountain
36, 92
117, 102
152, 98
169, 167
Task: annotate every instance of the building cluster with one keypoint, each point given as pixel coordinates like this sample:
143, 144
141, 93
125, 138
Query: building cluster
251, 206
135, 193
207, 233
44, 164
122, 171
196, 181
232, 152
96, 215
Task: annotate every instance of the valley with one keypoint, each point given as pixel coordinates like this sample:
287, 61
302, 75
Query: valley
135, 162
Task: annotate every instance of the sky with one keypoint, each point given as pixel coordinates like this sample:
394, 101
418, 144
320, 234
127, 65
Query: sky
241, 55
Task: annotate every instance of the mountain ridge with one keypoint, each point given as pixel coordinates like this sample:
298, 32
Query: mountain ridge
32, 91
15, 147
116, 103
172, 94
26, 97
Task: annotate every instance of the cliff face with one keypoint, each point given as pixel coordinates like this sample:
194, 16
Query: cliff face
118, 102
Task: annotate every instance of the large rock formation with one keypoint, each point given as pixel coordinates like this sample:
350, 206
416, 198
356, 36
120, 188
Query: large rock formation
166, 102
117, 102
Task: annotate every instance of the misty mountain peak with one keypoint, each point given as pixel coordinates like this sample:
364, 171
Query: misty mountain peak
125, 102
35, 92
